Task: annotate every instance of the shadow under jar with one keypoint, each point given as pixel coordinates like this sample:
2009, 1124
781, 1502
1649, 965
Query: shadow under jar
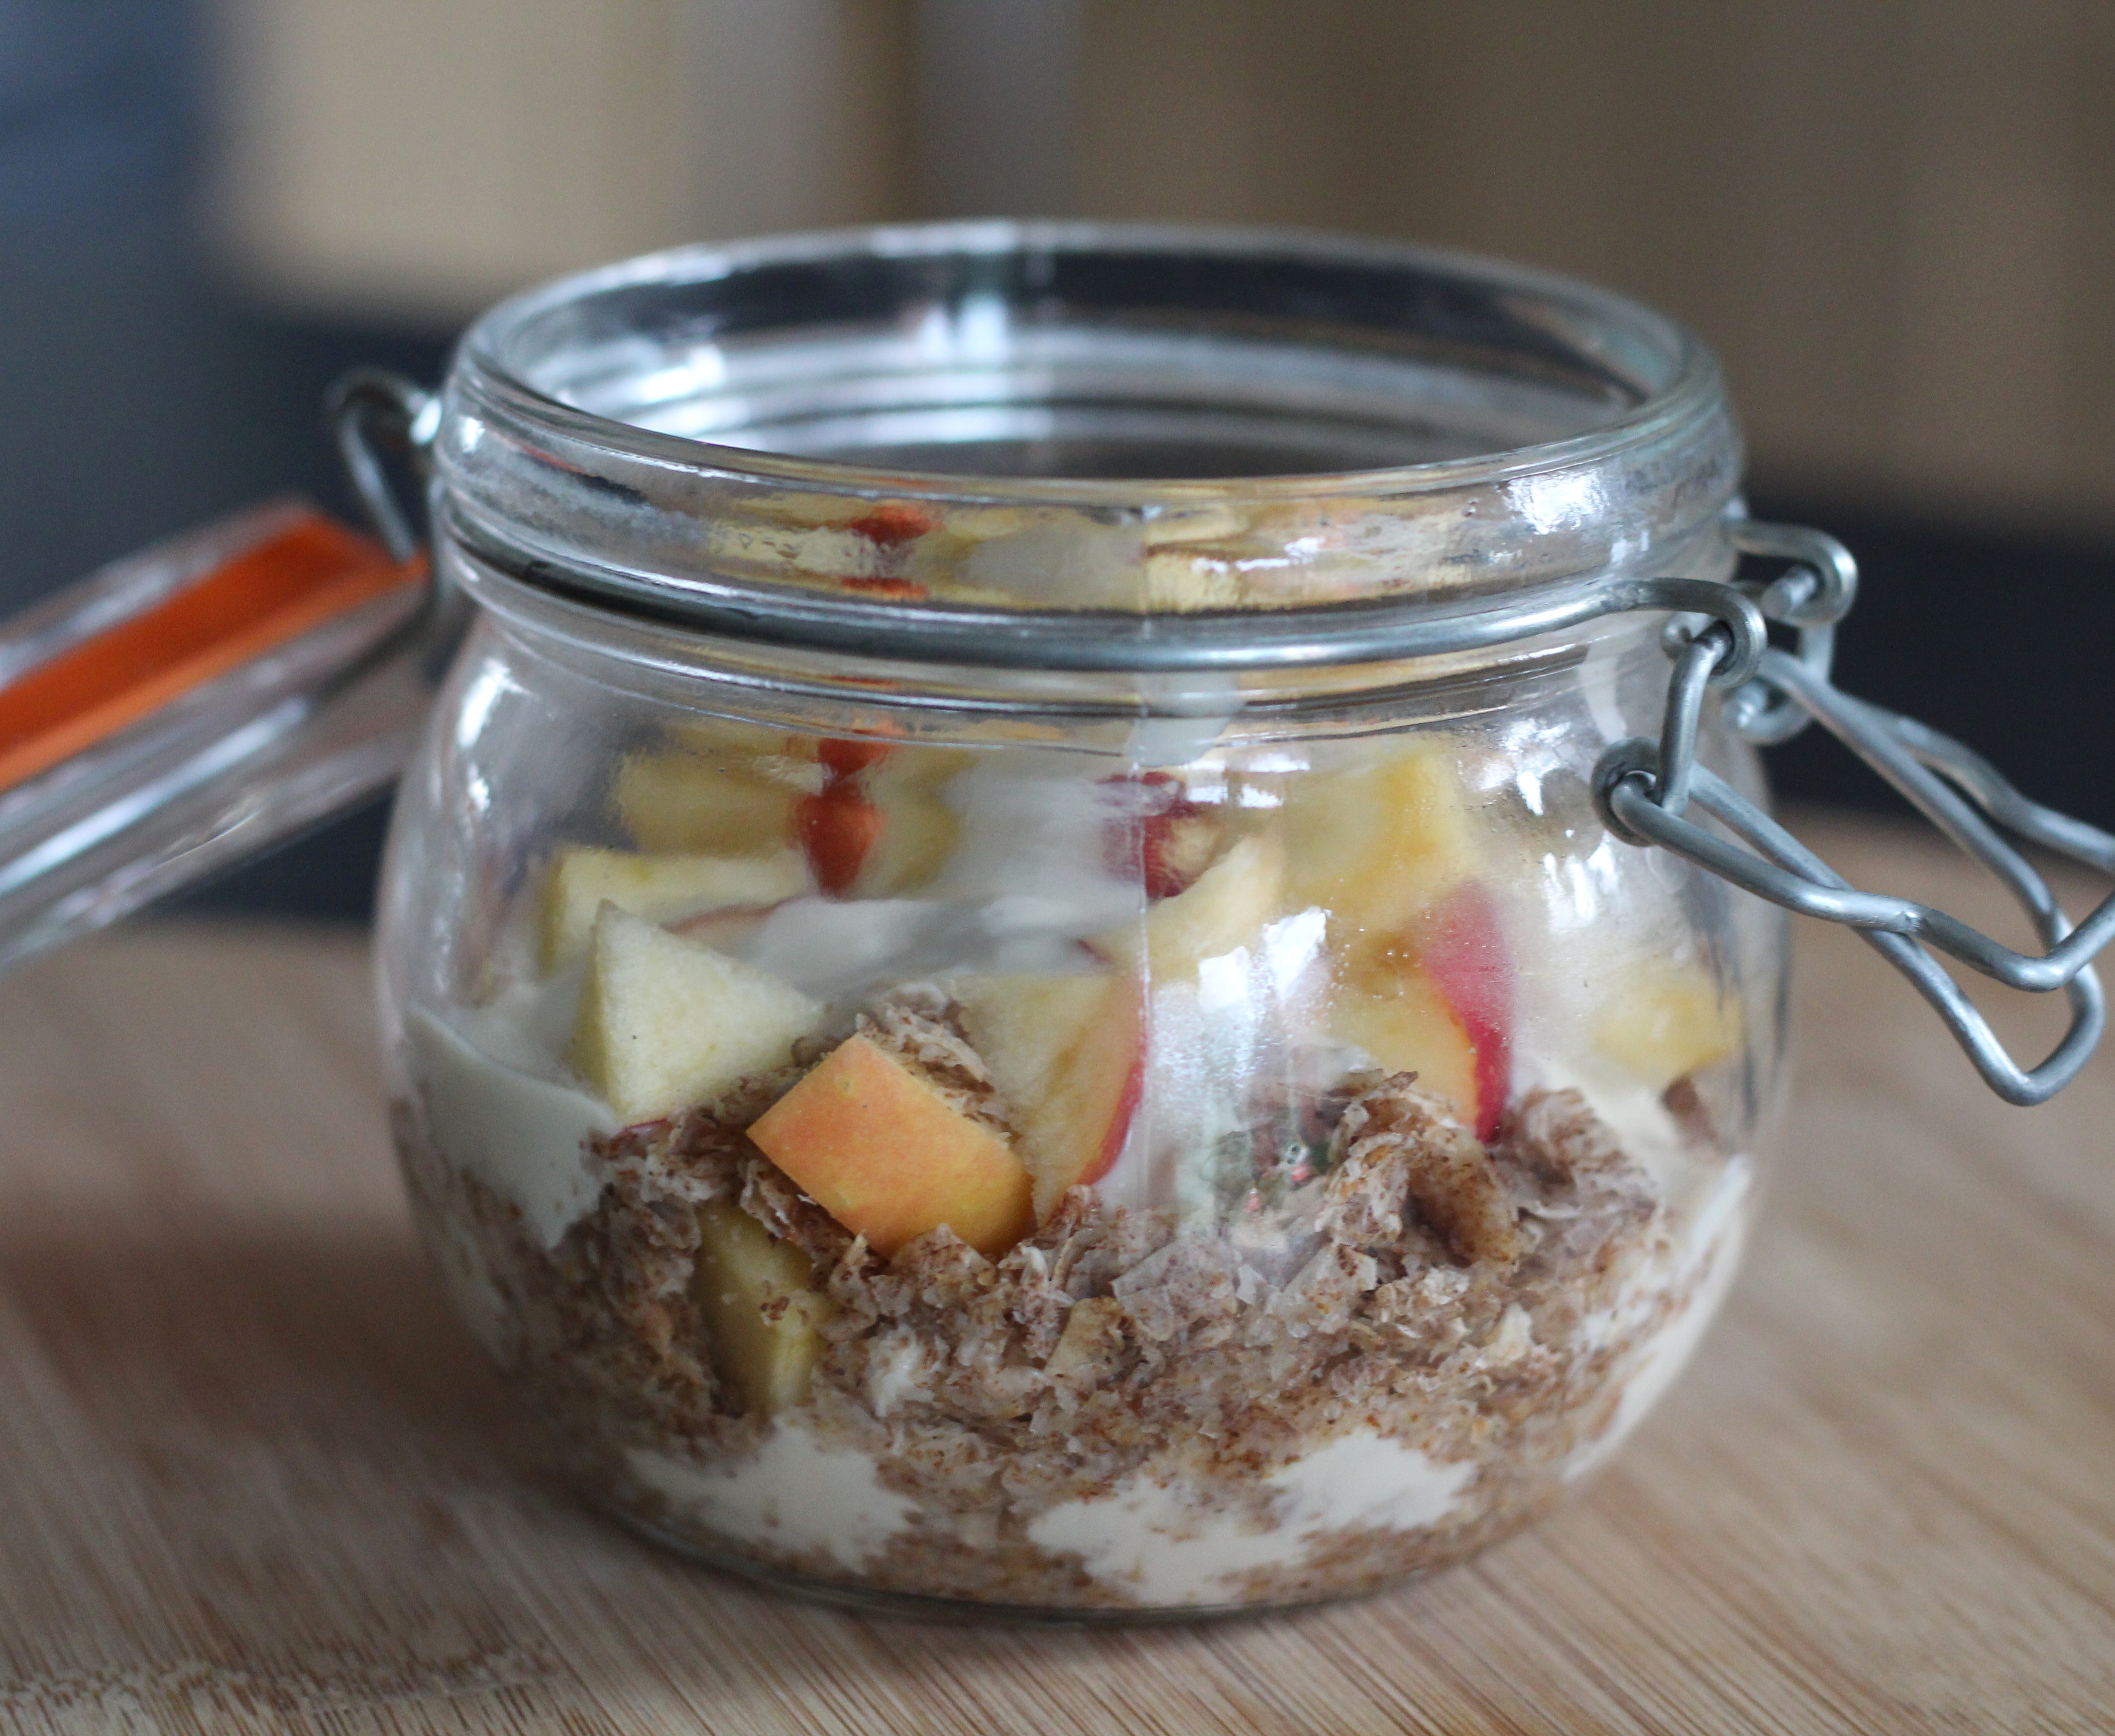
977, 1019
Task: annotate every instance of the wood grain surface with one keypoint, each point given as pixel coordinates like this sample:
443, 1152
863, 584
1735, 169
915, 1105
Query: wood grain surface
253, 1477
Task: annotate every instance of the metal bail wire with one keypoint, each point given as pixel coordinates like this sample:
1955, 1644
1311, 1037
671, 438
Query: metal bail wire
1644, 789
369, 408
372, 406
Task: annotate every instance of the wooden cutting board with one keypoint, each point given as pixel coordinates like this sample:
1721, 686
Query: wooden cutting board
252, 1477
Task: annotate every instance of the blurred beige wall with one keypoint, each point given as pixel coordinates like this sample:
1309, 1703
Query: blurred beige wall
414, 159
1895, 219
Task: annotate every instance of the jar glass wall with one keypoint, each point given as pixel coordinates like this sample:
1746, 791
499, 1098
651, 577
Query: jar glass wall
1028, 1130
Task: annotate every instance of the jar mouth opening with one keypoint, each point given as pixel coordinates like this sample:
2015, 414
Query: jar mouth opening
1079, 445
1097, 366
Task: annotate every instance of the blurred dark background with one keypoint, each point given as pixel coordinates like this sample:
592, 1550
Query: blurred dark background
1896, 222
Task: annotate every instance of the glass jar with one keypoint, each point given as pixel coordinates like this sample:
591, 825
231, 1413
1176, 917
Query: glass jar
971, 1035
1088, 928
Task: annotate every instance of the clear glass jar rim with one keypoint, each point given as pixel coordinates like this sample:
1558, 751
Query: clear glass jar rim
1406, 343
1691, 385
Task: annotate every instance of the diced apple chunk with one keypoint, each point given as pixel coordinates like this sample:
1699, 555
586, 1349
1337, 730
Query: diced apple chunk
761, 1309
771, 750
836, 830
918, 835
889, 1157
1442, 987
1229, 907
660, 888
1068, 1054
664, 1022
1665, 1021
1409, 1028
724, 804
1375, 844
918, 830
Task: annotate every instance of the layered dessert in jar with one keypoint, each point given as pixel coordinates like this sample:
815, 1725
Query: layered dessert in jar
1000, 1174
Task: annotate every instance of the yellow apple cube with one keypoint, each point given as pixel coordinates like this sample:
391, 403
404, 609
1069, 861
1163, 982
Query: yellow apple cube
1664, 1020
1231, 903
919, 830
665, 1022
1068, 1055
889, 1157
723, 804
1408, 1027
1374, 844
660, 888
761, 1309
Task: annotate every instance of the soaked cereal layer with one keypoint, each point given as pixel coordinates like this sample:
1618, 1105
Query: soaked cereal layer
1364, 1372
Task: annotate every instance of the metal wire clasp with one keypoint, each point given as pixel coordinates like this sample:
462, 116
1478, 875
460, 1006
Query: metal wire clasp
1644, 789
369, 407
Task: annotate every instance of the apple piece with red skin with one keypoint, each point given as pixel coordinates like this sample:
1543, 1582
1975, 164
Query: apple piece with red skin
890, 529
847, 757
837, 825
1451, 958
885, 1152
1228, 907
893, 523
1407, 1026
878, 827
906, 590
725, 931
836, 828
1068, 1054
1167, 838
1123, 1111
1461, 947
807, 793
1179, 846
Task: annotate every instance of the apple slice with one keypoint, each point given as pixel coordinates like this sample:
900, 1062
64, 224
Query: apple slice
769, 751
1409, 1028
1664, 1020
918, 830
731, 801
878, 828
837, 827
664, 1022
1068, 1055
728, 929
1462, 946
893, 524
761, 1309
1375, 844
881, 1149
1229, 906
660, 888
1452, 955
917, 834
1166, 839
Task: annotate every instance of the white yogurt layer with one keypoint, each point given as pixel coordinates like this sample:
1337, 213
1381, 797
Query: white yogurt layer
1701, 1263
792, 1496
494, 1113
1153, 1542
